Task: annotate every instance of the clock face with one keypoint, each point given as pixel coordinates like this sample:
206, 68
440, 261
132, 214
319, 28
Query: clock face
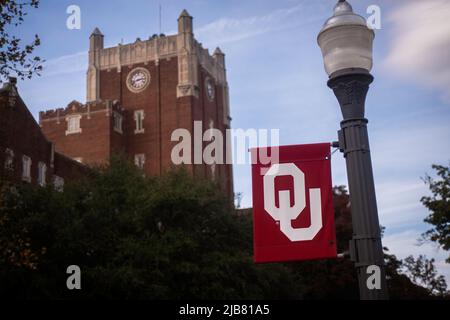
210, 89
138, 79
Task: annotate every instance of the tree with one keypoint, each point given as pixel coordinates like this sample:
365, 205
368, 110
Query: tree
15, 248
16, 58
439, 205
423, 272
400, 286
166, 237
135, 237
336, 279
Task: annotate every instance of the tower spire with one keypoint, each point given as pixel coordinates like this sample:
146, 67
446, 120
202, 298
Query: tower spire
185, 22
96, 32
96, 39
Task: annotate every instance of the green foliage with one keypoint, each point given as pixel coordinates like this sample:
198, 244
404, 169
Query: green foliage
439, 205
169, 237
14, 57
423, 272
135, 237
400, 286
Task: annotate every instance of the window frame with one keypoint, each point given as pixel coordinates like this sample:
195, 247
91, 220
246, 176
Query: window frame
9, 159
58, 183
71, 129
139, 160
42, 174
26, 168
139, 116
118, 122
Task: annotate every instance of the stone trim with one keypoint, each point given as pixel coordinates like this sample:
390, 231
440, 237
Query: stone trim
137, 52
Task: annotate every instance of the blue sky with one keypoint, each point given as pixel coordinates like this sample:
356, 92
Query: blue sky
277, 80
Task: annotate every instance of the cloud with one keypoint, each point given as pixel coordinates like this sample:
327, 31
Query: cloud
421, 44
223, 30
227, 30
408, 146
399, 203
62, 80
405, 243
67, 64
401, 155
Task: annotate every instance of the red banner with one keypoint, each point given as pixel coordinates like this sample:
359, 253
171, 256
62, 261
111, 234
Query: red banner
293, 203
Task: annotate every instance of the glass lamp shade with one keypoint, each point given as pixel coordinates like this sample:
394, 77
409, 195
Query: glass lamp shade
346, 41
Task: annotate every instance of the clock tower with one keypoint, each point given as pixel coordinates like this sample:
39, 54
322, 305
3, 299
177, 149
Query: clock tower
147, 89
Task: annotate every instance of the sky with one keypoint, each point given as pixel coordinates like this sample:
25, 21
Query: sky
277, 81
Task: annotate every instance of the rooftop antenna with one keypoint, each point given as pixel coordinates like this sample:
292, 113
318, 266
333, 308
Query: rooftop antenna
160, 18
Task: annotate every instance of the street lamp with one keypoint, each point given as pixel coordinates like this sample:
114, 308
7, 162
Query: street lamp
346, 44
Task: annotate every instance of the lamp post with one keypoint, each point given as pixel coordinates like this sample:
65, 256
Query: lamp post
346, 44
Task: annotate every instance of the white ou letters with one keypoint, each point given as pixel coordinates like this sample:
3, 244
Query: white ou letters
285, 213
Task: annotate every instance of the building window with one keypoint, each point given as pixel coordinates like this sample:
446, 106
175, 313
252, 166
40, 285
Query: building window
9, 159
139, 118
118, 122
58, 183
42, 173
73, 124
139, 160
26, 168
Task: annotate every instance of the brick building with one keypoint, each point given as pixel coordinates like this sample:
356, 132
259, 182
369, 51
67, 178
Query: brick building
137, 95
25, 153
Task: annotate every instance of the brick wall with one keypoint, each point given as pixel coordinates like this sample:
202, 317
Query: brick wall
97, 139
21, 134
67, 168
163, 113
